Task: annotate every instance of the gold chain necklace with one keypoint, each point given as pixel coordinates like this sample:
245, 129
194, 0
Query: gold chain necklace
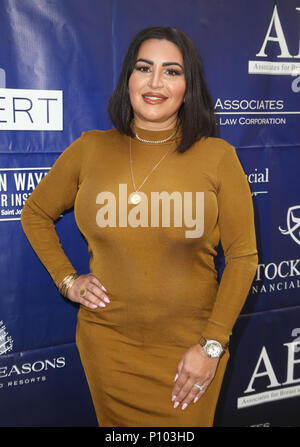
135, 197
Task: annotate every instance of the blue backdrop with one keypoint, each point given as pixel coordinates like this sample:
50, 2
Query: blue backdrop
59, 63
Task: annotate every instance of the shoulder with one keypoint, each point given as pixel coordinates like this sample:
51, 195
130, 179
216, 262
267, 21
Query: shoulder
214, 149
218, 146
100, 135
98, 143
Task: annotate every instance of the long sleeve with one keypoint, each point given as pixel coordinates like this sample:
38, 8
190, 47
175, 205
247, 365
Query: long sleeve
54, 194
238, 239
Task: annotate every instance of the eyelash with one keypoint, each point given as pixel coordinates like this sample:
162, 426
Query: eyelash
173, 70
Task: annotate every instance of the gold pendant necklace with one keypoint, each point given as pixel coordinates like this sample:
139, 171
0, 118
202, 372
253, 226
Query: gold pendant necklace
136, 197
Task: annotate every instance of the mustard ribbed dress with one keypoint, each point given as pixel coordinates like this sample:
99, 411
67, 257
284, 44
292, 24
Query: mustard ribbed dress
162, 284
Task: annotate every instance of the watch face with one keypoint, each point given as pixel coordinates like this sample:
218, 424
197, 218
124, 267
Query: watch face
214, 349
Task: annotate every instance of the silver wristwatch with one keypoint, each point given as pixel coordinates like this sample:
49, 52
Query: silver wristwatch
212, 348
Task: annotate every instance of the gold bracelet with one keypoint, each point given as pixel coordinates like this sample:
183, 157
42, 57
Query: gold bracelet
66, 283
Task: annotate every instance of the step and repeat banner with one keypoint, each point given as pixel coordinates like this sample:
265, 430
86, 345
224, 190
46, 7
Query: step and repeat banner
59, 63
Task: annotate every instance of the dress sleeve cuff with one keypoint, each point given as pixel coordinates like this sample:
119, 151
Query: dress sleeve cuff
214, 331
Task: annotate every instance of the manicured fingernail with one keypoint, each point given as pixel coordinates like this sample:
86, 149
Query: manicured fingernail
195, 400
93, 306
102, 304
176, 404
107, 300
173, 398
184, 406
103, 288
176, 377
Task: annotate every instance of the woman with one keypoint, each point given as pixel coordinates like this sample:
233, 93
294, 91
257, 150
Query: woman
154, 323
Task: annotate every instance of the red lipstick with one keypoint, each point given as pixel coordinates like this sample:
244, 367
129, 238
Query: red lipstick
154, 98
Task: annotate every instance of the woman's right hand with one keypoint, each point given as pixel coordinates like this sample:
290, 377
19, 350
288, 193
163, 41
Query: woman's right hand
94, 295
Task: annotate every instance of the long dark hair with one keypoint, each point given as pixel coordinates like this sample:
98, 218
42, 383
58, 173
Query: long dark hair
196, 114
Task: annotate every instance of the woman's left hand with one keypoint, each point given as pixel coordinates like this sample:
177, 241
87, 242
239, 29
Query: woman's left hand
194, 367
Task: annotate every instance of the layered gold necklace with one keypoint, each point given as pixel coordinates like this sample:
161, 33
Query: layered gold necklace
136, 197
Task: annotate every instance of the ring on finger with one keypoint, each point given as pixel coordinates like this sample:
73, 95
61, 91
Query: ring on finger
201, 387
82, 292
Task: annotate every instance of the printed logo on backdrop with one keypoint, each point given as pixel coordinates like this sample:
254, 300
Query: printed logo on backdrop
30, 109
6, 341
292, 224
284, 275
15, 373
16, 184
264, 384
277, 277
250, 110
275, 33
259, 180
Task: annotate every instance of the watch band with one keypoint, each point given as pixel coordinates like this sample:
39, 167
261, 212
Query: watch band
203, 341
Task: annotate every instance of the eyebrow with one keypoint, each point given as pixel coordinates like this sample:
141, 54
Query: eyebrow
165, 64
